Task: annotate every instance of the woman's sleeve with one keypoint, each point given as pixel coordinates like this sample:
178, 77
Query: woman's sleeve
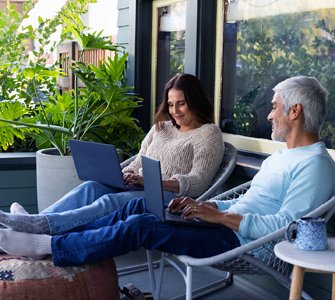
208, 154
136, 165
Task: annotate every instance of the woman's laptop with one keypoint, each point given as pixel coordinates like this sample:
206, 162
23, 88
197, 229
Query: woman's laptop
98, 162
154, 201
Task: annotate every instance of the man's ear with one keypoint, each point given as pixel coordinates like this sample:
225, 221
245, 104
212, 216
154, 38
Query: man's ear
296, 111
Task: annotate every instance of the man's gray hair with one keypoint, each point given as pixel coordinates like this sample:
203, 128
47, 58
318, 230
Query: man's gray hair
310, 94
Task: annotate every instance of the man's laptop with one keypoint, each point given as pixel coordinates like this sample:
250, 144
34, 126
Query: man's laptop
98, 162
154, 201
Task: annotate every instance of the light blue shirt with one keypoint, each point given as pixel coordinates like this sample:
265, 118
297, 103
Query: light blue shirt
290, 184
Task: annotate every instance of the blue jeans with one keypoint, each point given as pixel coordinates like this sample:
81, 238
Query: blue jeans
88, 202
131, 227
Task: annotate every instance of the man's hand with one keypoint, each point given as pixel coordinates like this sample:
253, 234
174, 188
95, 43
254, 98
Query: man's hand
192, 208
206, 211
179, 203
132, 179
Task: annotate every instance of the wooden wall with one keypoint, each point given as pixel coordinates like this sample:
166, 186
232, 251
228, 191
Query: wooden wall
18, 181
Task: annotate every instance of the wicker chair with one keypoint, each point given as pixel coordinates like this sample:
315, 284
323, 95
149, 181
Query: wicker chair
226, 168
255, 258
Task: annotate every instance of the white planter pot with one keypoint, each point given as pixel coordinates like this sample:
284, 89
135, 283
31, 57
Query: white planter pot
56, 175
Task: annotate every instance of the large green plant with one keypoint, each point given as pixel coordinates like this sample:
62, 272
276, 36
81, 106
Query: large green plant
101, 112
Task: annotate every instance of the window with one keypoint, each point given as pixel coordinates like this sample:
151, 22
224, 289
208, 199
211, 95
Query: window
168, 37
168, 44
265, 42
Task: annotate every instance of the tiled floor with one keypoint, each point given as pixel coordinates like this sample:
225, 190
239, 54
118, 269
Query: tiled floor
173, 283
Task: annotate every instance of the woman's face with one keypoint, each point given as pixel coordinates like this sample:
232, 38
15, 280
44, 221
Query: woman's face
179, 110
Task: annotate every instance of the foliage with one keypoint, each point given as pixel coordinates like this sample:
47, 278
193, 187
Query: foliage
244, 114
177, 54
101, 112
285, 46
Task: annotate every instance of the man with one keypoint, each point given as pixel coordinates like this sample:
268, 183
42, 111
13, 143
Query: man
291, 183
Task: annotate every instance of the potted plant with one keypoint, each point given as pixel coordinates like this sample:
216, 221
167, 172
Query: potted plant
100, 112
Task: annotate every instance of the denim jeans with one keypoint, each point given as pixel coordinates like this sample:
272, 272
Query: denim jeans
88, 202
131, 227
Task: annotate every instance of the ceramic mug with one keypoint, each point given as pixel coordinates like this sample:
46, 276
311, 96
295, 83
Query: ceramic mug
311, 234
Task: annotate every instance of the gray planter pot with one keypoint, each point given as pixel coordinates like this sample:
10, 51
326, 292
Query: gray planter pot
55, 175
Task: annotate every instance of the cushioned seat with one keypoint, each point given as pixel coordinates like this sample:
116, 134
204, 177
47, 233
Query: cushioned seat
21, 278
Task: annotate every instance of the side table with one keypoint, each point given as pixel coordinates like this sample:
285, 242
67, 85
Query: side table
307, 261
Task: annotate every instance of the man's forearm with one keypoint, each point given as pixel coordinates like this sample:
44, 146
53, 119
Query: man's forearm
231, 220
228, 219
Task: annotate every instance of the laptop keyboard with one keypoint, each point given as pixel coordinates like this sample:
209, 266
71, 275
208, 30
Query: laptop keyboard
177, 217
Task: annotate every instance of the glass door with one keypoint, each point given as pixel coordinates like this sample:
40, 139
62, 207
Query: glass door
168, 45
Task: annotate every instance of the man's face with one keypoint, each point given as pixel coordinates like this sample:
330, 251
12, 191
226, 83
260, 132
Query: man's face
280, 122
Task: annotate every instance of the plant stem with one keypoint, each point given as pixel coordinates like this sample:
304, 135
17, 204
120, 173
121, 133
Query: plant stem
76, 98
51, 137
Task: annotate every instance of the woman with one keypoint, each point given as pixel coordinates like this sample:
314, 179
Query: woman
189, 146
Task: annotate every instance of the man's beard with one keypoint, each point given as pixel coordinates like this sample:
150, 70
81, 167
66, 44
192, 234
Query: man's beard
279, 133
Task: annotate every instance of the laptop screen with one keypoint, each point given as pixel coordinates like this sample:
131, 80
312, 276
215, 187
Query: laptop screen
154, 201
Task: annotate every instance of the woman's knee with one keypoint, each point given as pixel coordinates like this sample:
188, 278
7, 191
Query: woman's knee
94, 187
90, 184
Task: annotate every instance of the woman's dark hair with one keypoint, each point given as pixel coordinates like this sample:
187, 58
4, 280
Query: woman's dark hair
196, 98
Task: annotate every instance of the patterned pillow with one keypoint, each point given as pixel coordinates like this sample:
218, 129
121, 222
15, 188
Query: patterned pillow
21, 278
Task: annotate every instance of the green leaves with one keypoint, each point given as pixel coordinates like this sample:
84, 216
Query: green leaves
100, 112
9, 112
40, 72
93, 41
86, 41
244, 113
12, 111
112, 69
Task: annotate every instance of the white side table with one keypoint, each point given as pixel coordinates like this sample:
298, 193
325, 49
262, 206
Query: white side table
307, 261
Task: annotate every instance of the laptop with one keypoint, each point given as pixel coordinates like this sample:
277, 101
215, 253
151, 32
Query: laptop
154, 201
98, 162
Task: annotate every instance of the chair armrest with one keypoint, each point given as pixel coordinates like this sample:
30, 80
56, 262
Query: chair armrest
326, 208
127, 161
188, 260
233, 193
226, 168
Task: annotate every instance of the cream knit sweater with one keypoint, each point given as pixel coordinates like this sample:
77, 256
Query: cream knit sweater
192, 157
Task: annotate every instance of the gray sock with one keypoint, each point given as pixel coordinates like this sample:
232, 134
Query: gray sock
25, 223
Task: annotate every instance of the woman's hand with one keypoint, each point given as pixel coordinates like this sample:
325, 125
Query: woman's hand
132, 179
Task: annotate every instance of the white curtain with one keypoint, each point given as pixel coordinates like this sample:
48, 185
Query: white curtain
248, 9
173, 22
